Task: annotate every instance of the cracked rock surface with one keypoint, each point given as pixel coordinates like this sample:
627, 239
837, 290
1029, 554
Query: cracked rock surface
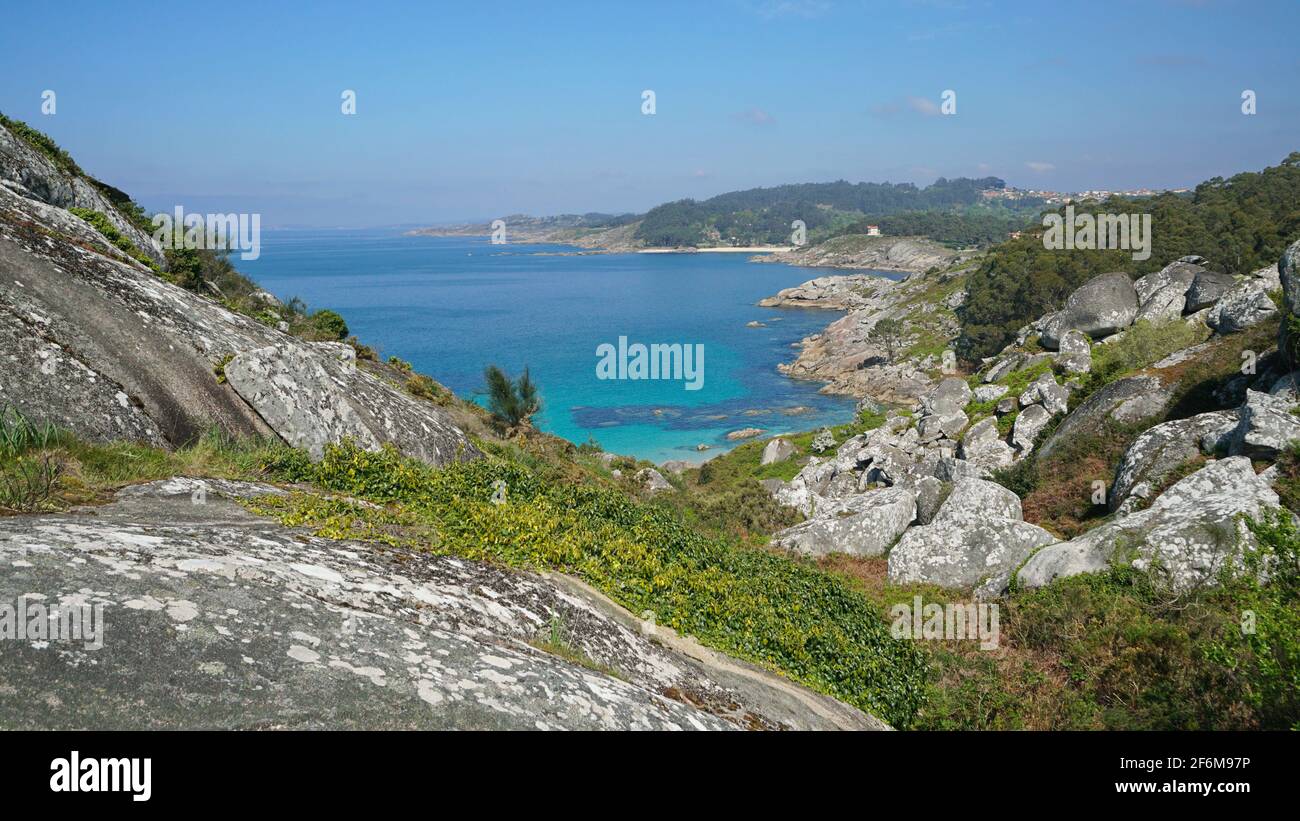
215, 618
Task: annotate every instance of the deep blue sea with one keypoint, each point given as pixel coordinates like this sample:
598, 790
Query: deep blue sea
451, 305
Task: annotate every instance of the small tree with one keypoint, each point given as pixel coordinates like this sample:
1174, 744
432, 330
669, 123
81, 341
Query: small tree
511, 403
889, 332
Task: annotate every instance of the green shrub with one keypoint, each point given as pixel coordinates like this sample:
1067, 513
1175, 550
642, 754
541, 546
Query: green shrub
102, 224
1142, 345
329, 324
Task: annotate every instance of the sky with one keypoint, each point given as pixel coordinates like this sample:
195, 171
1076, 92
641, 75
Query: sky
469, 111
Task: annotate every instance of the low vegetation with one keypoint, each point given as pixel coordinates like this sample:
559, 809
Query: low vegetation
102, 224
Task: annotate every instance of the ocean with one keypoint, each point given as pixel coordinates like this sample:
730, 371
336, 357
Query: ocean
452, 305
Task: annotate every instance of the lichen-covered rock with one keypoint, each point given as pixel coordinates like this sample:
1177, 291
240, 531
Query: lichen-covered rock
312, 395
983, 445
39, 177
1131, 399
930, 494
1206, 289
1100, 307
778, 450
980, 555
1247, 304
936, 426
1165, 304
118, 353
949, 396
1075, 352
652, 481
987, 393
1288, 268
1180, 272
1266, 426
973, 500
1029, 423
217, 619
1045, 389
1186, 536
1159, 450
864, 524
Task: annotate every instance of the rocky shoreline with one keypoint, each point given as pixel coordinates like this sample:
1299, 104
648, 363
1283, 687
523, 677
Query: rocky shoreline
893, 363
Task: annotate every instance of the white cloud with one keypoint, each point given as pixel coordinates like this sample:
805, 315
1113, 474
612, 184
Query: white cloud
1039, 167
755, 116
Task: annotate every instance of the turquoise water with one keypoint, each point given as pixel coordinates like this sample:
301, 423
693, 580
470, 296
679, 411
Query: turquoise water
451, 305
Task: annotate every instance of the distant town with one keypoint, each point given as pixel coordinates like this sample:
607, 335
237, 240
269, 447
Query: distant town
1066, 197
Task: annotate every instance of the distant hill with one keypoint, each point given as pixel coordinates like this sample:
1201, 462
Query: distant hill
763, 216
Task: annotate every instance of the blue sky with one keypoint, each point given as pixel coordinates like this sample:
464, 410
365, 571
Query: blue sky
477, 110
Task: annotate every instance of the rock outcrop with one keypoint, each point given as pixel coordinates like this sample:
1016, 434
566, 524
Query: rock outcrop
213, 618
35, 175
1186, 536
100, 345
1161, 449
976, 540
863, 524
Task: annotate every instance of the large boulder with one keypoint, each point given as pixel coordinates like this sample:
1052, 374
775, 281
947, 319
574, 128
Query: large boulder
1045, 389
975, 540
1165, 304
950, 395
1161, 449
315, 394
981, 555
1100, 307
983, 445
864, 524
1131, 399
1247, 304
778, 450
1180, 272
1267, 426
974, 500
1207, 288
1075, 352
1029, 423
1186, 536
